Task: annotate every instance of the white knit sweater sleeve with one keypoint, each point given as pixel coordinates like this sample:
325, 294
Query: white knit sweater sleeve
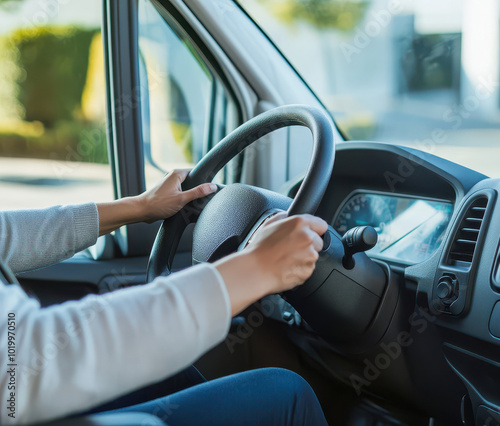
78, 355
31, 239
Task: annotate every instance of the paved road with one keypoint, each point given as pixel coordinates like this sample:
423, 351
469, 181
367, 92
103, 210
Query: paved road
28, 183
31, 183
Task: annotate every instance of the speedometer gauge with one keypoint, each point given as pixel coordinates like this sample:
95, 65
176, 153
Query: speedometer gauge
409, 229
363, 210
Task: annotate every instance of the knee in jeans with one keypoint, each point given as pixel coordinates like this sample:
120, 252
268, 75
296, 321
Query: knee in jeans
291, 383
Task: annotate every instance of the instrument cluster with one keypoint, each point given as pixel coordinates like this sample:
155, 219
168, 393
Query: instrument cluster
409, 229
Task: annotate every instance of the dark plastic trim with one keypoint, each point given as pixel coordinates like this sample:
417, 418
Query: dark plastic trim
124, 116
166, 7
495, 271
466, 276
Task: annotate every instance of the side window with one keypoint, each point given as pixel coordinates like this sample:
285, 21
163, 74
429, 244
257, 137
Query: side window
53, 146
185, 107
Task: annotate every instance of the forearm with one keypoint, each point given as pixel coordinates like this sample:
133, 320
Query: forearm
115, 214
244, 280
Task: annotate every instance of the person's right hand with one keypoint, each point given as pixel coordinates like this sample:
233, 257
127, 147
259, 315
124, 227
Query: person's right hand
281, 255
287, 249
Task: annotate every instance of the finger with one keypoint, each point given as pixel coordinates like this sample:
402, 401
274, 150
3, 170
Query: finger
305, 271
317, 241
314, 256
311, 238
199, 191
317, 224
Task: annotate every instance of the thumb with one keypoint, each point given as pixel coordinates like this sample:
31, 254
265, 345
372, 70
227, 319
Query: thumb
199, 191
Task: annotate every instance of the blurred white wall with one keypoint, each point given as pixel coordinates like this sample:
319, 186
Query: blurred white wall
481, 56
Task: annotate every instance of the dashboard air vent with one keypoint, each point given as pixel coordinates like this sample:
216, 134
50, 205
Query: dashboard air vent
465, 241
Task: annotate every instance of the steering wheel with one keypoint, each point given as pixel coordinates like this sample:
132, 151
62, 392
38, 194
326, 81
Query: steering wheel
224, 220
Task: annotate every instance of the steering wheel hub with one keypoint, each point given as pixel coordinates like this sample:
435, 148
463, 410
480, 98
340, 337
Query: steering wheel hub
223, 225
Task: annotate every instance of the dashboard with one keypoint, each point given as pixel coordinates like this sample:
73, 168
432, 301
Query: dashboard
438, 225
410, 229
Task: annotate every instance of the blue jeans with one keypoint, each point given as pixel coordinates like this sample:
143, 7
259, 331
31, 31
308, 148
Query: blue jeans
269, 396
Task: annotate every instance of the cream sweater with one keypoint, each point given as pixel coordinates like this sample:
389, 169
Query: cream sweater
74, 356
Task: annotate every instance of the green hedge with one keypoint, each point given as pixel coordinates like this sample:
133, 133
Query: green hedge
48, 68
43, 73
67, 141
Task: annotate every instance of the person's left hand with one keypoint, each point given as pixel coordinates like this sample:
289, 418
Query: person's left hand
166, 198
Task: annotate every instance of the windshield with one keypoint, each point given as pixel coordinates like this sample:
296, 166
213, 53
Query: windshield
420, 73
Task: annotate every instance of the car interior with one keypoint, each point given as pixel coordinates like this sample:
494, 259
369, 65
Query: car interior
400, 322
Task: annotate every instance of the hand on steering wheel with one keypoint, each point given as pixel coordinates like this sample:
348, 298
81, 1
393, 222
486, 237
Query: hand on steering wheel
287, 249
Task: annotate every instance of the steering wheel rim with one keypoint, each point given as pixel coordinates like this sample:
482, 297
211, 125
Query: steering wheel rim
306, 201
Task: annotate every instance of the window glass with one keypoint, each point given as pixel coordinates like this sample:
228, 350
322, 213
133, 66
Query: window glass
421, 73
185, 108
52, 111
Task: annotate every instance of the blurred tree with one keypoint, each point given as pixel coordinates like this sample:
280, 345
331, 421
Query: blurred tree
52, 94
10, 107
50, 66
343, 15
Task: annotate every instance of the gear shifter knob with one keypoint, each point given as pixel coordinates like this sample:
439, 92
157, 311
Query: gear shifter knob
358, 239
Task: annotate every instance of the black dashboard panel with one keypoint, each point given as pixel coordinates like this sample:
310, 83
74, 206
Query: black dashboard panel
456, 336
468, 327
469, 258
